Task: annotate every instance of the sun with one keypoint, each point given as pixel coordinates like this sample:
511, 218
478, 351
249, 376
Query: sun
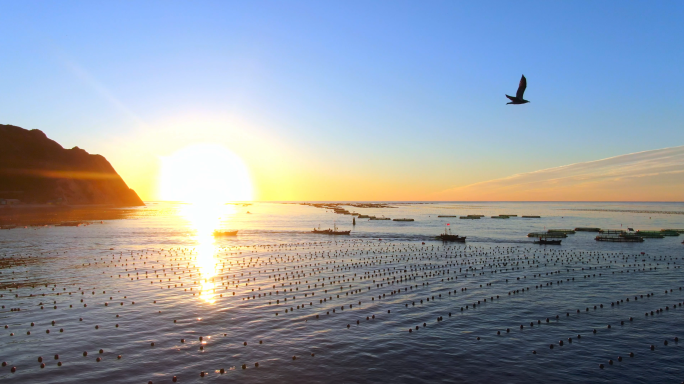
204, 174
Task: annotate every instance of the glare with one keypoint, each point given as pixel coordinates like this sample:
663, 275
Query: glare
203, 220
207, 174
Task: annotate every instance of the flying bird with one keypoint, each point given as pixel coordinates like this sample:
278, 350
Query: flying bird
518, 99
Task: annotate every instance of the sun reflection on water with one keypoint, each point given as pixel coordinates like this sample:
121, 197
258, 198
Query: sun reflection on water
204, 219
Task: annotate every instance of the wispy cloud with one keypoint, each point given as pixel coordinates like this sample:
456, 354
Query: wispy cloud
656, 175
98, 87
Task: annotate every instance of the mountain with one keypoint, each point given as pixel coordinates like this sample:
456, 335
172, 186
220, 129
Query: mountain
37, 170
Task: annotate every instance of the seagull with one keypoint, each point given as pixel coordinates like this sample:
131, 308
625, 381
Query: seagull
518, 99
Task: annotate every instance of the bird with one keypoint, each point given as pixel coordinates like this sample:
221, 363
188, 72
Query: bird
518, 99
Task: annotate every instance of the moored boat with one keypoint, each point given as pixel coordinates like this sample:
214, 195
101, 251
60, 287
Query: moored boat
446, 237
449, 237
330, 231
548, 242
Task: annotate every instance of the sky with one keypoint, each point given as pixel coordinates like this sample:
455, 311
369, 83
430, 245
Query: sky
358, 100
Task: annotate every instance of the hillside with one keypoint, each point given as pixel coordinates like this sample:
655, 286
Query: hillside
37, 170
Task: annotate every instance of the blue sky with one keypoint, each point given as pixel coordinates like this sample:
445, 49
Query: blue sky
393, 93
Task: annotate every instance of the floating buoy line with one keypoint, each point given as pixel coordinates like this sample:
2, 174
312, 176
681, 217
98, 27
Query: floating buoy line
358, 281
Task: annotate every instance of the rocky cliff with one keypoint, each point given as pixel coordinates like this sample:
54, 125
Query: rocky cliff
37, 170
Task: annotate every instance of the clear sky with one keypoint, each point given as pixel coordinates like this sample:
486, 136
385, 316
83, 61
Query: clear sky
350, 100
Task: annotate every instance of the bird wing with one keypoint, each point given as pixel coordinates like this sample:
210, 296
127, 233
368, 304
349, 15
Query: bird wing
511, 98
521, 87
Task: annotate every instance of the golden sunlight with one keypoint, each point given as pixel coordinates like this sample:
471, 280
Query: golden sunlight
206, 174
204, 219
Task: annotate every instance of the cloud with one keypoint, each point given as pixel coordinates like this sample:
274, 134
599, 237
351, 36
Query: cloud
656, 175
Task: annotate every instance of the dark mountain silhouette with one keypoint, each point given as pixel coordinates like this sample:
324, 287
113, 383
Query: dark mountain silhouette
37, 170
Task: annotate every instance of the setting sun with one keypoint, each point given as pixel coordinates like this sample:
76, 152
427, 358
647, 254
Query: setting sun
205, 173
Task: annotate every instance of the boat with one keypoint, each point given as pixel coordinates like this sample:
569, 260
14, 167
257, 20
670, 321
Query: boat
225, 233
404, 219
548, 242
364, 216
449, 237
673, 230
330, 231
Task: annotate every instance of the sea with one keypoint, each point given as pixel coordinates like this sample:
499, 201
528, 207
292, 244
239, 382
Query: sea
156, 297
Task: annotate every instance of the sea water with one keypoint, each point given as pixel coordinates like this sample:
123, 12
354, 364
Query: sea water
294, 297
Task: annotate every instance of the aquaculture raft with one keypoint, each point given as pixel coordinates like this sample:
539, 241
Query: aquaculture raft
566, 231
531, 217
587, 229
404, 219
620, 239
650, 234
558, 235
666, 232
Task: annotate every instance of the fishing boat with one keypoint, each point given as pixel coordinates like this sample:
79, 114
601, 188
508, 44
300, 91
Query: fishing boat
547, 242
330, 231
225, 233
449, 237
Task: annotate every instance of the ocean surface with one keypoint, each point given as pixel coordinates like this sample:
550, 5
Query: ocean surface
160, 296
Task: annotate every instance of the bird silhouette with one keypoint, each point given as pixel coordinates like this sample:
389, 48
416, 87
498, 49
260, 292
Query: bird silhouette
518, 99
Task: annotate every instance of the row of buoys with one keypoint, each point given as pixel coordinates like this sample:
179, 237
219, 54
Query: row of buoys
439, 319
